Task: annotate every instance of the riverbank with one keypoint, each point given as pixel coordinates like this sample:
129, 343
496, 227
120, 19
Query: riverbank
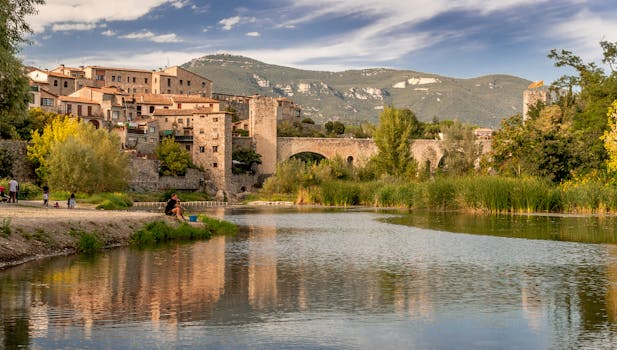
29, 232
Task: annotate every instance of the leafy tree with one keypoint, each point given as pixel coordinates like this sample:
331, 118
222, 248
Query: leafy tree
40, 146
393, 139
91, 161
14, 90
35, 121
244, 160
610, 138
308, 121
75, 156
174, 159
6, 163
338, 128
461, 149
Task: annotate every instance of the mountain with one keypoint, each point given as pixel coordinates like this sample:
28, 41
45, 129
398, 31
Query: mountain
354, 96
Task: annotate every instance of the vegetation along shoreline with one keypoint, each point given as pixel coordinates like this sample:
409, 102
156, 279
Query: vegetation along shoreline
29, 233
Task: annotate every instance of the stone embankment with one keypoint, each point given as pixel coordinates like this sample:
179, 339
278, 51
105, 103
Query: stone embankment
29, 232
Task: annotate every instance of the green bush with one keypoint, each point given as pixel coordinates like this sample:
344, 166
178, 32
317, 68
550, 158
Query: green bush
89, 243
161, 232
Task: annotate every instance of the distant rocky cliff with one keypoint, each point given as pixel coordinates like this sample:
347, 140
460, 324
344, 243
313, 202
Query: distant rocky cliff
359, 95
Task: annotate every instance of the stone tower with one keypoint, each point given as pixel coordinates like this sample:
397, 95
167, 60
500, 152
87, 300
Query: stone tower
531, 97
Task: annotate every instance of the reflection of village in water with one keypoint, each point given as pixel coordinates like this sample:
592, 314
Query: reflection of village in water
204, 281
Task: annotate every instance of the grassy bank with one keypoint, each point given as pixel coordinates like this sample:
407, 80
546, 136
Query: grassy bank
474, 193
161, 231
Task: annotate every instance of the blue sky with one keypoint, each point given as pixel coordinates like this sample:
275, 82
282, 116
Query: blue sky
458, 38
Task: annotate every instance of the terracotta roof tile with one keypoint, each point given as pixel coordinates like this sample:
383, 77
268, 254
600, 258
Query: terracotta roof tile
77, 100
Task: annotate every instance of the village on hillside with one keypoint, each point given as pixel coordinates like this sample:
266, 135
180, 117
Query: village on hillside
142, 107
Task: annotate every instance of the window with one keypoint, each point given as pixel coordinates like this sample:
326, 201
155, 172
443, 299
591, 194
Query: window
80, 85
168, 81
181, 92
180, 121
113, 78
133, 79
55, 82
155, 80
188, 147
201, 131
145, 80
47, 101
138, 110
115, 114
69, 108
79, 110
146, 90
188, 83
215, 120
202, 149
100, 77
203, 85
89, 111
151, 109
215, 165
168, 91
66, 84
180, 82
215, 149
166, 119
152, 129
179, 105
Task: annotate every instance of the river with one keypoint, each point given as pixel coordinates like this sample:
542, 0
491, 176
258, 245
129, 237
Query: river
331, 279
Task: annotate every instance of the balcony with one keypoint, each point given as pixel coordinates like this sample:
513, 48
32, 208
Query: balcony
183, 138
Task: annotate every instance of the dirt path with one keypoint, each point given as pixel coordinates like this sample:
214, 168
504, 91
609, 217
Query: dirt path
29, 231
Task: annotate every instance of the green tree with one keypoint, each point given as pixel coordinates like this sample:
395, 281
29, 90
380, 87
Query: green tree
14, 90
174, 159
461, 150
75, 156
338, 128
90, 162
244, 160
39, 149
610, 138
393, 138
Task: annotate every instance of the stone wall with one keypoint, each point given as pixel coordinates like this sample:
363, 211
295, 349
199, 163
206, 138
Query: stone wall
145, 178
22, 169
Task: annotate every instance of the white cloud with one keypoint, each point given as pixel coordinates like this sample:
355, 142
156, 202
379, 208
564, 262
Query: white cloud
584, 31
148, 35
230, 22
59, 27
108, 32
129, 59
179, 3
254, 34
90, 11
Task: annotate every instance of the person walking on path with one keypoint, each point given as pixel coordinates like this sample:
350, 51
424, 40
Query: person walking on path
173, 207
45, 196
13, 189
71, 202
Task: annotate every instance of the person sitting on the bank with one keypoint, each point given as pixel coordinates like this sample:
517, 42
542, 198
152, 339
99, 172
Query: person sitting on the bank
173, 207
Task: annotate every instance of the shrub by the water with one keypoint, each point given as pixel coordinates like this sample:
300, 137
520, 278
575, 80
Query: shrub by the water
89, 243
161, 232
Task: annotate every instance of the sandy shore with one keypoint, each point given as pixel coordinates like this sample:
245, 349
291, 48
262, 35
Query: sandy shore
29, 231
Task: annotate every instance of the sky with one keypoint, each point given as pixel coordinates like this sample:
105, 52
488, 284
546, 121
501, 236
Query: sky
456, 38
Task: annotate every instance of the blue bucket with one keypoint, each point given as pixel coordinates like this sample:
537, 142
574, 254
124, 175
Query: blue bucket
192, 218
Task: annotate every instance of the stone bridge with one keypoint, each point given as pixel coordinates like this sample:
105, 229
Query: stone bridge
356, 151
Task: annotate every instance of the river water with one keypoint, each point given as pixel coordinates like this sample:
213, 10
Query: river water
331, 279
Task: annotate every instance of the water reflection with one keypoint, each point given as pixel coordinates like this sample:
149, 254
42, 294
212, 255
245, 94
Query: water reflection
321, 280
